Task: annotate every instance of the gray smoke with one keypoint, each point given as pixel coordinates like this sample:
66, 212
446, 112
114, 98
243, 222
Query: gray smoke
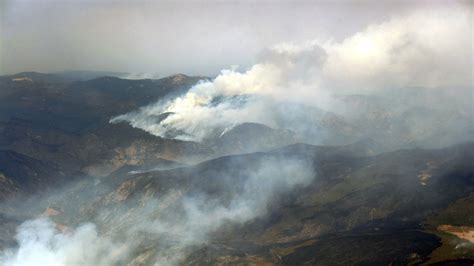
174, 222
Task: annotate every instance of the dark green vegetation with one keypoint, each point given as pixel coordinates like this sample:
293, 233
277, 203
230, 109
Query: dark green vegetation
361, 207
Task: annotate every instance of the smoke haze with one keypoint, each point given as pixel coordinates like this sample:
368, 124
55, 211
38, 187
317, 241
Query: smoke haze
166, 37
175, 221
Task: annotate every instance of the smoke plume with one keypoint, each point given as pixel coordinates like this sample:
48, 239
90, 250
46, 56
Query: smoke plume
426, 55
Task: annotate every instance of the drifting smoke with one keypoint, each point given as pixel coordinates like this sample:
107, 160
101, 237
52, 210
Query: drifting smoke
425, 53
176, 221
140, 76
41, 243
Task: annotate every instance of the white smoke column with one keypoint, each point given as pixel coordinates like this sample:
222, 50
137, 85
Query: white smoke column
194, 116
422, 49
41, 243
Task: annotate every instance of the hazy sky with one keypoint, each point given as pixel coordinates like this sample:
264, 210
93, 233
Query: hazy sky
193, 37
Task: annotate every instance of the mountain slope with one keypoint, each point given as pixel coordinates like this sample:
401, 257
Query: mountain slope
356, 210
